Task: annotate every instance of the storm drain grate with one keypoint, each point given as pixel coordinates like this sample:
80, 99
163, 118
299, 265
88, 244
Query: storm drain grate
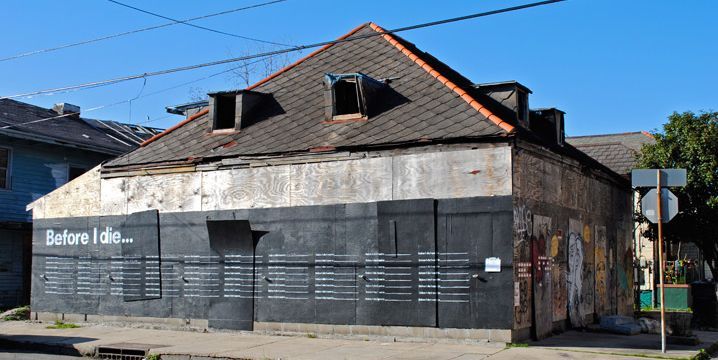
124, 351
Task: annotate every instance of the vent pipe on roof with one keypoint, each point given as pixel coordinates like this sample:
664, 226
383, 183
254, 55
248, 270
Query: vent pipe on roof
65, 109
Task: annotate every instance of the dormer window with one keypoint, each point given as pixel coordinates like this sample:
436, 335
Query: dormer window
223, 108
235, 110
349, 96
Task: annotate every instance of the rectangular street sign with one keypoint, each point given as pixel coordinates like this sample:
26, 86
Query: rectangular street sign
648, 177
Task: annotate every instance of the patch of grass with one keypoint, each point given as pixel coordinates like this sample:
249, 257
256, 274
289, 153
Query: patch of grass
63, 325
312, 336
649, 308
517, 345
152, 357
21, 313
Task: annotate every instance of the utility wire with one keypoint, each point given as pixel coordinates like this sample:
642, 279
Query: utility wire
107, 37
138, 96
184, 22
282, 51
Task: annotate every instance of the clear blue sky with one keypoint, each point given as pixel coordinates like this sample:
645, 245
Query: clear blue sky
612, 65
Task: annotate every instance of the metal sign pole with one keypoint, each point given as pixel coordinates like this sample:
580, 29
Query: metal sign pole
660, 262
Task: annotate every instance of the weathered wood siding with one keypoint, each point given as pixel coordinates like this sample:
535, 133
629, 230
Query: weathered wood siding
447, 174
36, 170
590, 217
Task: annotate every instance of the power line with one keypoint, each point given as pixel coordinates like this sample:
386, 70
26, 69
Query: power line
107, 37
195, 26
138, 96
277, 52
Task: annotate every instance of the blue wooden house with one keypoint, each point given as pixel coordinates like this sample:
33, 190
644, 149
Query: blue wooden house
40, 150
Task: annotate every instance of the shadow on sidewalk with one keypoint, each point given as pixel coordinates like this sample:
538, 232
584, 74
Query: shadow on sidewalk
578, 339
43, 343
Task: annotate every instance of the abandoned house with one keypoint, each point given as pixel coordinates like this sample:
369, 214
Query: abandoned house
367, 188
40, 150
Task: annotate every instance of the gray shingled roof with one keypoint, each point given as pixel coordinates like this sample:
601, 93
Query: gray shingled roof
616, 151
425, 109
16, 120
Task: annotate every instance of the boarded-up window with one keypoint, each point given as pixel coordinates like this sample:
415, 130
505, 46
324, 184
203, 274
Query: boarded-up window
4, 168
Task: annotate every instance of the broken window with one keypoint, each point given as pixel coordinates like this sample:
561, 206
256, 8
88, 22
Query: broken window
224, 111
4, 168
349, 96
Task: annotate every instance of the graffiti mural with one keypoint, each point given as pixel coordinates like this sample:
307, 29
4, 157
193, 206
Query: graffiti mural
574, 281
540, 259
523, 222
601, 295
558, 275
523, 226
611, 272
589, 280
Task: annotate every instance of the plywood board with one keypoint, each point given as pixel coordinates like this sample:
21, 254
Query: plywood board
245, 188
559, 268
455, 174
576, 254
625, 271
341, 182
522, 231
76, 198
541, 265
113, 196
166, 193
589, 281
602, 307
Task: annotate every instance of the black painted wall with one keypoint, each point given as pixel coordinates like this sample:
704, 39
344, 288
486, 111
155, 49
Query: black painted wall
412, 262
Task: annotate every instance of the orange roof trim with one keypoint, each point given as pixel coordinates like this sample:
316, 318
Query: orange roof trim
453, 87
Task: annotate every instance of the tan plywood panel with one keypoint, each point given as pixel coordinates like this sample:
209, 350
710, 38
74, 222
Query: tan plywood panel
113, 196
455, 174
260, 187
166, 193
340, 182
76, 198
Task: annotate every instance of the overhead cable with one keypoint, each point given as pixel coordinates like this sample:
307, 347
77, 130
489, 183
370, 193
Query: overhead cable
138, 96
112, 36
184, 22
277, 52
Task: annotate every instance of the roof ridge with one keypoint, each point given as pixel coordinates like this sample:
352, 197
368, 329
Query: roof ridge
463, 94
611, 134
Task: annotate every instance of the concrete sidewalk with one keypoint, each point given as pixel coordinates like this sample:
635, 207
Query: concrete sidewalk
171, 344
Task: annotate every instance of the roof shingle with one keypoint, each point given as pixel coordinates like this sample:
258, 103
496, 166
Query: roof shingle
433, 102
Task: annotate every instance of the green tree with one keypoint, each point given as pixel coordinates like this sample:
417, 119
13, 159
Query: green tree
690, 141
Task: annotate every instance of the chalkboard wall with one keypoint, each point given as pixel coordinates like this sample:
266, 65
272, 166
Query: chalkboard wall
412, 263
